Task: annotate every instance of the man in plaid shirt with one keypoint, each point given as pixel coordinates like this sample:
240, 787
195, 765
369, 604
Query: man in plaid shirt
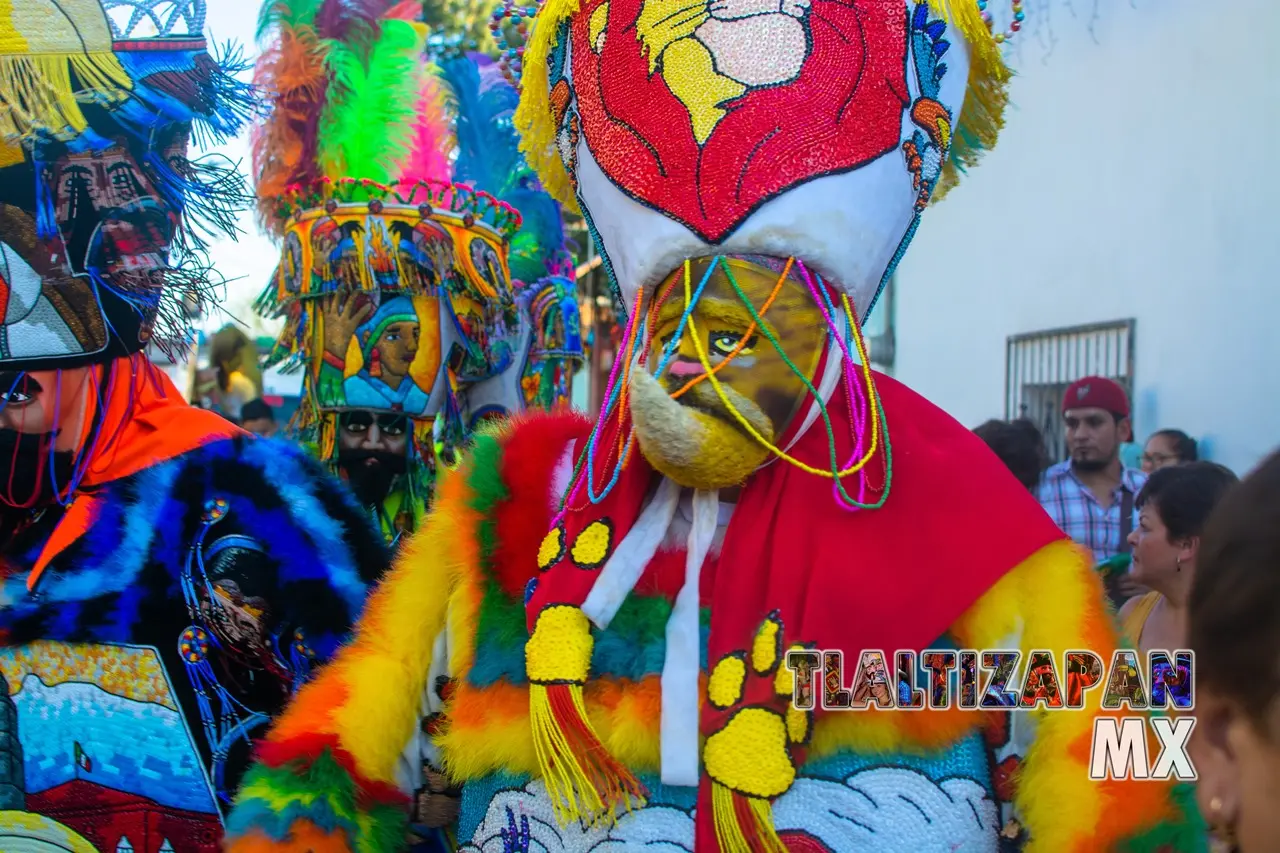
1091, 495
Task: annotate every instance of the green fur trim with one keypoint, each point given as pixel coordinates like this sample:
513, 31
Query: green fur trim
500, 637
321, 792
487, 489
1185, 833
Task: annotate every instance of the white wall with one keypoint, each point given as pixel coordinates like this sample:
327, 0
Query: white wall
1136, 177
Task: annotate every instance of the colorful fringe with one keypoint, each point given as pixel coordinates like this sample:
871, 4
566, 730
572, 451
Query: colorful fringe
37, 96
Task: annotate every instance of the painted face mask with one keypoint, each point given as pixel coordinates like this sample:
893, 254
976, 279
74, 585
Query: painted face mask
731, 367
103, 223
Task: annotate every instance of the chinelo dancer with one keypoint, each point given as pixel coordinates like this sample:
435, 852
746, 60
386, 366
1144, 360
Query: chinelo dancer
599, 614
396, 280
168, 581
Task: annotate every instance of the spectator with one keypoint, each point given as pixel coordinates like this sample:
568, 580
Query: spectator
1020, 447
1235, 634
235, 359
1174, 506
258, 418
1168, 447
1091, 495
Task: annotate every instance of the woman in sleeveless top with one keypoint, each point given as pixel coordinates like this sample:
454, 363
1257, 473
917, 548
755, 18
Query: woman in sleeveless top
1173, 507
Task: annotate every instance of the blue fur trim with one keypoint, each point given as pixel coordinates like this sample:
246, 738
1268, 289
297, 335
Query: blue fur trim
285, 466
148, 522
119, 541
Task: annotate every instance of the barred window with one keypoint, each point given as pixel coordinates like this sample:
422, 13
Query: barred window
1039, 367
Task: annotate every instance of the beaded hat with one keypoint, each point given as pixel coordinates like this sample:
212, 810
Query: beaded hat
394, 185
556, 349
814, 129
103, 217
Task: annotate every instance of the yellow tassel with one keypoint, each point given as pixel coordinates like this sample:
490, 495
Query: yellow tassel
573, 797
986, 95
37, 94
731, 835
534, 117
584, 782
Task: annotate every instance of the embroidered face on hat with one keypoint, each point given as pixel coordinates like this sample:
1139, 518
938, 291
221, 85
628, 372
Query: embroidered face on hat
105, 216
814, 129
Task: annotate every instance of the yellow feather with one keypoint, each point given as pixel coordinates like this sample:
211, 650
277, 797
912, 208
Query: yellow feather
386, 666
533, 117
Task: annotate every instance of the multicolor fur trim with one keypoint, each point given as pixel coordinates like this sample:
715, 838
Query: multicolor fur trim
353, 720
465, 573
99, 587
1055, 601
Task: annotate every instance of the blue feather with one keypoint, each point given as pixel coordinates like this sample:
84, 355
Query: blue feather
489, 159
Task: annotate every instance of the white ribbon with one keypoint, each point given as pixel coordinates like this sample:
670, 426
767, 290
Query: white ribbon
627, 563
679, 731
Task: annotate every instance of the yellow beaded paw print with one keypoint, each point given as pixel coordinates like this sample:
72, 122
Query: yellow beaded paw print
751, 751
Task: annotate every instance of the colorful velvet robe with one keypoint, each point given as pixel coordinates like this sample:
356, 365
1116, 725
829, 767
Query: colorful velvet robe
153, 649
444, 637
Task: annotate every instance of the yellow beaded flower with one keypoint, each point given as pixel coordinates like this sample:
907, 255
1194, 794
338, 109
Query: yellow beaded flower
592, 547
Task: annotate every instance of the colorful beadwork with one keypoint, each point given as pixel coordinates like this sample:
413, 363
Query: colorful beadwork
1015, 21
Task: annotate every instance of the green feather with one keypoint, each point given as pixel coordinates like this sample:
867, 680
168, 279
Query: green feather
368, 121
287, 14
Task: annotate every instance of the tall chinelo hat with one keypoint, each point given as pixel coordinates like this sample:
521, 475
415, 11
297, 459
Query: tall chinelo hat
814, 129
104, 216
391, 182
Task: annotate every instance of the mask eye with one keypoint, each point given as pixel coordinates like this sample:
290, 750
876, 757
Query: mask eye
723, 343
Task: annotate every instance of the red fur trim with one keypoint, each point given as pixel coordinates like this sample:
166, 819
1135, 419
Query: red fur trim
530, 450
306, 748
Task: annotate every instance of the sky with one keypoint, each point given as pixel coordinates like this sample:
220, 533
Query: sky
250, 259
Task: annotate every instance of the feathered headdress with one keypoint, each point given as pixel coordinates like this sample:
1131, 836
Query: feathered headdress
352, 100
489, 158
354, 175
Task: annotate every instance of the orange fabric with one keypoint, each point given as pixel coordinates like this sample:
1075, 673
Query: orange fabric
144, 422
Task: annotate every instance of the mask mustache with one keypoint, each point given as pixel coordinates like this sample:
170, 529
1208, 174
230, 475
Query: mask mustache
695, 441
702, 397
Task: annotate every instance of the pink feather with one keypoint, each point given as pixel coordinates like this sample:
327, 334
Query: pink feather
428, 157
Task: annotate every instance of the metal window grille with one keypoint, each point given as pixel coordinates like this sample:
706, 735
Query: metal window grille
1039, 367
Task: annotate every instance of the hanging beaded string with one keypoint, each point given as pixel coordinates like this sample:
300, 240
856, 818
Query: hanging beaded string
1015, 24
862, 407
835, 474
511, 60
612, 395
865, 406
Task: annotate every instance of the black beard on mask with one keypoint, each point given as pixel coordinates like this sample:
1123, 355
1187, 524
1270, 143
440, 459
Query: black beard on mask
25, 484
371, 473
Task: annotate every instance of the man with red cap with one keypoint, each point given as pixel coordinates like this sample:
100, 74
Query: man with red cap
1091, 494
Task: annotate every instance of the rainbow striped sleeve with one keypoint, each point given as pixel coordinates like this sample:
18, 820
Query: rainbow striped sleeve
325, 777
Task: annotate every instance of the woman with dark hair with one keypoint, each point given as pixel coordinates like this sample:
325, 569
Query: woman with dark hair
1234, 630
1020, 447
1173, 507
235, 358
1168, 447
